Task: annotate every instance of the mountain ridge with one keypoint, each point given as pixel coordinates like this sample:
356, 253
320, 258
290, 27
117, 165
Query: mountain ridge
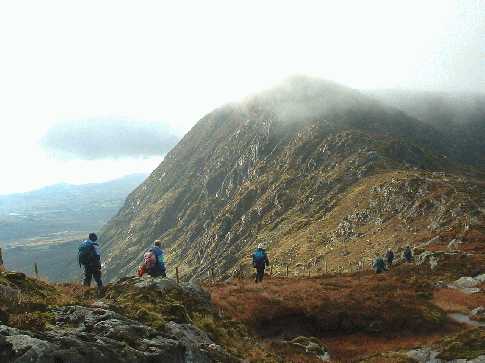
266, 168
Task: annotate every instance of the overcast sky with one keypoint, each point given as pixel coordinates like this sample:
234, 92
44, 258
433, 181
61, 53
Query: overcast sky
169, 63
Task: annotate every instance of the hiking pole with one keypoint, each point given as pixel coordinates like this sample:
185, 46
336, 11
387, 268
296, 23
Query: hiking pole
36, 270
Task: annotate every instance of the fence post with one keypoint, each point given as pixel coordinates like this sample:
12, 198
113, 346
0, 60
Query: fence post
1, 260
36, 270
287, 270
177, 274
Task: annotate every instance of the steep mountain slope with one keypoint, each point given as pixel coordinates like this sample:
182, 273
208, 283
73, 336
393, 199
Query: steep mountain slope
315, 170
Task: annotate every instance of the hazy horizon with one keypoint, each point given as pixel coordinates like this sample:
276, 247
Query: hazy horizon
140, 76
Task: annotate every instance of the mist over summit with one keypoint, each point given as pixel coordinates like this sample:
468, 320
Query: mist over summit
302, 167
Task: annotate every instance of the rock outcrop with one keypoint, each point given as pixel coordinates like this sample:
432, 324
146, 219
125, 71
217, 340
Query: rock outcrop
84, 334
110, 330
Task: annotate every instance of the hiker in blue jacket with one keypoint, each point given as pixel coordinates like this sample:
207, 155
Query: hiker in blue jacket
159, 270
260, 261
408, 254
90, 258
379, 265
389, 257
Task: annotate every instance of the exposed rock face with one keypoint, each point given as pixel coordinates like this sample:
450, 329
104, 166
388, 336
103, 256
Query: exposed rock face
478, 314
307, 168
311, 346
98, 334
468, 284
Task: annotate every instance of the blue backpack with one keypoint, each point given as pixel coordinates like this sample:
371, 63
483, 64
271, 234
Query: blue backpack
86, 253
259, 257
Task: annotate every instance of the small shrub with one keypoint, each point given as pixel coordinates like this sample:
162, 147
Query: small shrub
209, 325
36, 321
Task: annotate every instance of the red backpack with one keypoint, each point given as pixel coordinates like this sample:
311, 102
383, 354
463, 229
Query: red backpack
149, 260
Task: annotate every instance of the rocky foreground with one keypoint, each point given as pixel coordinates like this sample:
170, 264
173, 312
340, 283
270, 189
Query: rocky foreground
431, 310
90, 330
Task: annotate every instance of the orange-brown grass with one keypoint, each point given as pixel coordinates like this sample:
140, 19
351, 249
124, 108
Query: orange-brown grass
454, 300
322, 306
29, 308
353, 315
354, 347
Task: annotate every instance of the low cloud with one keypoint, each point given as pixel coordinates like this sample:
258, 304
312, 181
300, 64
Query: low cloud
90, 140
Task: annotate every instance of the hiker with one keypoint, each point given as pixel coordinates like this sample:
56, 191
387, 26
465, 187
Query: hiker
89, 257
408, 254
153, 261
389, 257
157, 249
260, 261
379, 265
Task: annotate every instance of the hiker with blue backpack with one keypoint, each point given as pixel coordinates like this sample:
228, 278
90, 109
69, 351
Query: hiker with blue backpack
153, 263
408, 254
90, 258
260, 261
379, 266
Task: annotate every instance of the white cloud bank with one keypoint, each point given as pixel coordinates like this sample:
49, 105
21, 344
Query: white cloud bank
172, 62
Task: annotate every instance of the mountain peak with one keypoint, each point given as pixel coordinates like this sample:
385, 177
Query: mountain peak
286, 166
300, 97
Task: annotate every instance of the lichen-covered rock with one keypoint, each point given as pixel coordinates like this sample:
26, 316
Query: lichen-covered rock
432, 258
87, 334
465, 282
478, 314
454, 244
311, 346
14, 276
424, 355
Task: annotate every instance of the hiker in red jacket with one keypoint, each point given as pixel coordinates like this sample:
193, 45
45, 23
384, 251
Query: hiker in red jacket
153, 261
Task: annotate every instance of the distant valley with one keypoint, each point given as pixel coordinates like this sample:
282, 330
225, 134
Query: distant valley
45, 225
